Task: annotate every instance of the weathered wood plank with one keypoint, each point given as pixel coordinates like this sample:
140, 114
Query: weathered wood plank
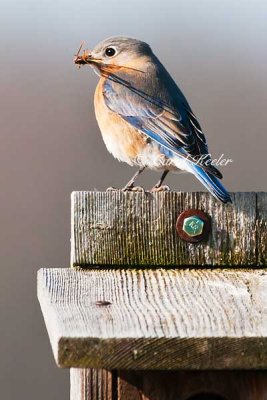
130, 385
156, 319
87, 384
262, 228
92, 384
138, 229
180, 385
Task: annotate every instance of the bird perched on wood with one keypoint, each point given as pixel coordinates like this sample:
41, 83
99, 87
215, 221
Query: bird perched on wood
144, 118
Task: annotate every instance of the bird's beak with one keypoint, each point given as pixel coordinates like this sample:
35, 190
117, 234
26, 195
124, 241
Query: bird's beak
86, 58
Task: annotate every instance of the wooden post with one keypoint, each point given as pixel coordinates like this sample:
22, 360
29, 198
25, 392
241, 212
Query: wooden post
133, 322
93, 384
138, 229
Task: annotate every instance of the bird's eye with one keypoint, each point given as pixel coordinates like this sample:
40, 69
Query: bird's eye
110, 51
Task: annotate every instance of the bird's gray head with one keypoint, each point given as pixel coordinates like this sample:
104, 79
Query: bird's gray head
117, 52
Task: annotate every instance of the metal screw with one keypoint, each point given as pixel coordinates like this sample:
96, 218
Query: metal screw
193, 225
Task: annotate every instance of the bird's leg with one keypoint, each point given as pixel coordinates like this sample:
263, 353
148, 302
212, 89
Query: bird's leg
158, 187
130, 184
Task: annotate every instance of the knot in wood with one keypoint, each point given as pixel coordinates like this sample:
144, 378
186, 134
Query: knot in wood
103, 303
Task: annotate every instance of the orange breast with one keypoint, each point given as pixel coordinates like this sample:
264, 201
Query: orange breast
121, 139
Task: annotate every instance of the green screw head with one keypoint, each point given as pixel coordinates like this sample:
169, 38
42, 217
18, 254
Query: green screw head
193, 226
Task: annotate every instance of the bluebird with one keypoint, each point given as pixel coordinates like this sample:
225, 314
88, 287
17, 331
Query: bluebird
144, 118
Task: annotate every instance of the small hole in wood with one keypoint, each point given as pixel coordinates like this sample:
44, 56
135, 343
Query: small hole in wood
103, 303
206, 396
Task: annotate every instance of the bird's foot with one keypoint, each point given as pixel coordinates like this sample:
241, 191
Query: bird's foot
133, 189
163, 188
112, 189
126, 189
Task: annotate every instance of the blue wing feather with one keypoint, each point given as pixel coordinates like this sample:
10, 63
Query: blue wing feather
163, 114
157, 117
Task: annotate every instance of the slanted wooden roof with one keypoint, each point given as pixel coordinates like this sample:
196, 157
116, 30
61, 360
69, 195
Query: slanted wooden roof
156, 319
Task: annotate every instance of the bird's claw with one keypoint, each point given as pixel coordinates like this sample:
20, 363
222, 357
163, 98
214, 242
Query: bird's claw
133, 189
126, 189
163, 188
112, 189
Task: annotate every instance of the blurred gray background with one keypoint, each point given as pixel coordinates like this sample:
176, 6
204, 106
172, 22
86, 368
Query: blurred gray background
51, 145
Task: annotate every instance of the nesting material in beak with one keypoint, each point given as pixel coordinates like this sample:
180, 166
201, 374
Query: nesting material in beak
84, 58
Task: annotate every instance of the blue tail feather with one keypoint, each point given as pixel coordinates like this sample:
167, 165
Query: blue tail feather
212, 184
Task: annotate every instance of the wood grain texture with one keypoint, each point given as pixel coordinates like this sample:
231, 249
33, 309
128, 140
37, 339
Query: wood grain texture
138, 229
262, 228
157, 319
130, 385
92, 384
184, 385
